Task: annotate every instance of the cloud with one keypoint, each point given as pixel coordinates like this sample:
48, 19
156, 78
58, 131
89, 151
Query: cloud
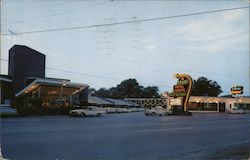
232, 16
215, 33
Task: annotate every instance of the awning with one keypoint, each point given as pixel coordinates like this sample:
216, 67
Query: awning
5, 79
50, 82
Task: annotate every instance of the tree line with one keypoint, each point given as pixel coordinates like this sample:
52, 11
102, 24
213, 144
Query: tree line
130, 88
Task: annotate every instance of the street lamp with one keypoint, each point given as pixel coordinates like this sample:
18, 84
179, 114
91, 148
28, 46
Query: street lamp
63, 84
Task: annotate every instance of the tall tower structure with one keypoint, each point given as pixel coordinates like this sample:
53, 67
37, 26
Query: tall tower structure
25, 62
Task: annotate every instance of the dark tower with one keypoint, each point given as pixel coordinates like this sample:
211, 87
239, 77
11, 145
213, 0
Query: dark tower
25, 62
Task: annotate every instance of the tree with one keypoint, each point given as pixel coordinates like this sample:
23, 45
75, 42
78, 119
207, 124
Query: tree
129, 88
150, 91
204, 87
103, 92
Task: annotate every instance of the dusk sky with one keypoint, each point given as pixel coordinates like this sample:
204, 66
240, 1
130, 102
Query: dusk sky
213, 45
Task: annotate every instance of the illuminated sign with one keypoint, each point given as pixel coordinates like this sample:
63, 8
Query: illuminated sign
175, 101
237, 90
177, 94
179, 88
182, 81
182, 89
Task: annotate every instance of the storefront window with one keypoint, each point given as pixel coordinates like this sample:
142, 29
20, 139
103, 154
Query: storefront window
52, 95
203, 106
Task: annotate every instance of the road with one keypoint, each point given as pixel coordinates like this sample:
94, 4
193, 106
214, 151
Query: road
129, 136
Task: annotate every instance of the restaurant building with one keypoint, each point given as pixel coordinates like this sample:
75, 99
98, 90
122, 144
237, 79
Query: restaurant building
31, 87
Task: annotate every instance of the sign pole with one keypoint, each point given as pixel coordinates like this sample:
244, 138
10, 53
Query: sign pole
183, 89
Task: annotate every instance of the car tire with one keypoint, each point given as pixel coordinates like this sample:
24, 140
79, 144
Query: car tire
153, 114
82, 114
98, 114
146, 114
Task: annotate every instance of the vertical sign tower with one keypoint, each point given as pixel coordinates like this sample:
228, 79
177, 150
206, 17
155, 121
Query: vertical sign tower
182, 91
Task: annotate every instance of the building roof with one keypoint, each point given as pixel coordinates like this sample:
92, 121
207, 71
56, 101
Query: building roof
49, 78
218, 99
120, 102
24, 47
5, 79
99, 100
132, 103
51, 82
158, 98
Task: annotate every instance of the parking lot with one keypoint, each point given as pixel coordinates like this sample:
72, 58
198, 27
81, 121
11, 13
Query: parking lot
125, 136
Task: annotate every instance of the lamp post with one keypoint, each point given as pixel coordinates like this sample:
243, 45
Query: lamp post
63, 84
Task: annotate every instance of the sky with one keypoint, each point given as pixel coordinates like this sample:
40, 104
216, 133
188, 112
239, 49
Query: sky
214, 45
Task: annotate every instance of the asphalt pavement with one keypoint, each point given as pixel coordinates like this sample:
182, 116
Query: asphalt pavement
128, 136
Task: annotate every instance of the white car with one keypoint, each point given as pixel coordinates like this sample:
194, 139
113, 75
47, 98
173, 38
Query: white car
136, 109
6, 111
235, 110
123, 110
118, 110
156, 111
112, 110
89, 111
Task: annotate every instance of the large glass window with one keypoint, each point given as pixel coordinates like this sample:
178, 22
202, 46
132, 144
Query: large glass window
202, 106
53, 95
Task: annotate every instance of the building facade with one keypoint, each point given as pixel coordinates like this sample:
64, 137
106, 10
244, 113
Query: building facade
198, 103
149, 102
51, 92
217, 104
32, 88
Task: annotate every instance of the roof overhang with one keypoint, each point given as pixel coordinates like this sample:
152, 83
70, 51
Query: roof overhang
50, 82
5, 79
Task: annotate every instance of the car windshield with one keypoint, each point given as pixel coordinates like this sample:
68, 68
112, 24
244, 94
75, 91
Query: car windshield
124, 79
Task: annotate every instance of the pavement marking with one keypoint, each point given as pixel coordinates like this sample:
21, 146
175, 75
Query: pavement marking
166, 129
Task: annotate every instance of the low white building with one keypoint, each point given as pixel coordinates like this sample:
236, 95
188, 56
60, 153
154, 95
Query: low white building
199, 103
217, 104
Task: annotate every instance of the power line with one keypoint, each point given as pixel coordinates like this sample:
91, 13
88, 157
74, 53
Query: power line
80, 73
56, 14
104, 77
109, 78
128, 22
3, 59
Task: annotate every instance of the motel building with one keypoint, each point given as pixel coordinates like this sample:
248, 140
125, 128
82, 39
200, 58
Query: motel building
201, 104
149, 102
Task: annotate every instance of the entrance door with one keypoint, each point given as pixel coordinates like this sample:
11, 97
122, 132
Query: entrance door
222, 107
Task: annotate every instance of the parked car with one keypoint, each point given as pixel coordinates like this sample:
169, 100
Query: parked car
89, 111
118, 110
7, 111
136, 109
123, 110
112, 110
156, 111
235, 110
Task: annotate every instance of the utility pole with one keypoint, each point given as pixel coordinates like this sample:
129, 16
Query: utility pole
11, 38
